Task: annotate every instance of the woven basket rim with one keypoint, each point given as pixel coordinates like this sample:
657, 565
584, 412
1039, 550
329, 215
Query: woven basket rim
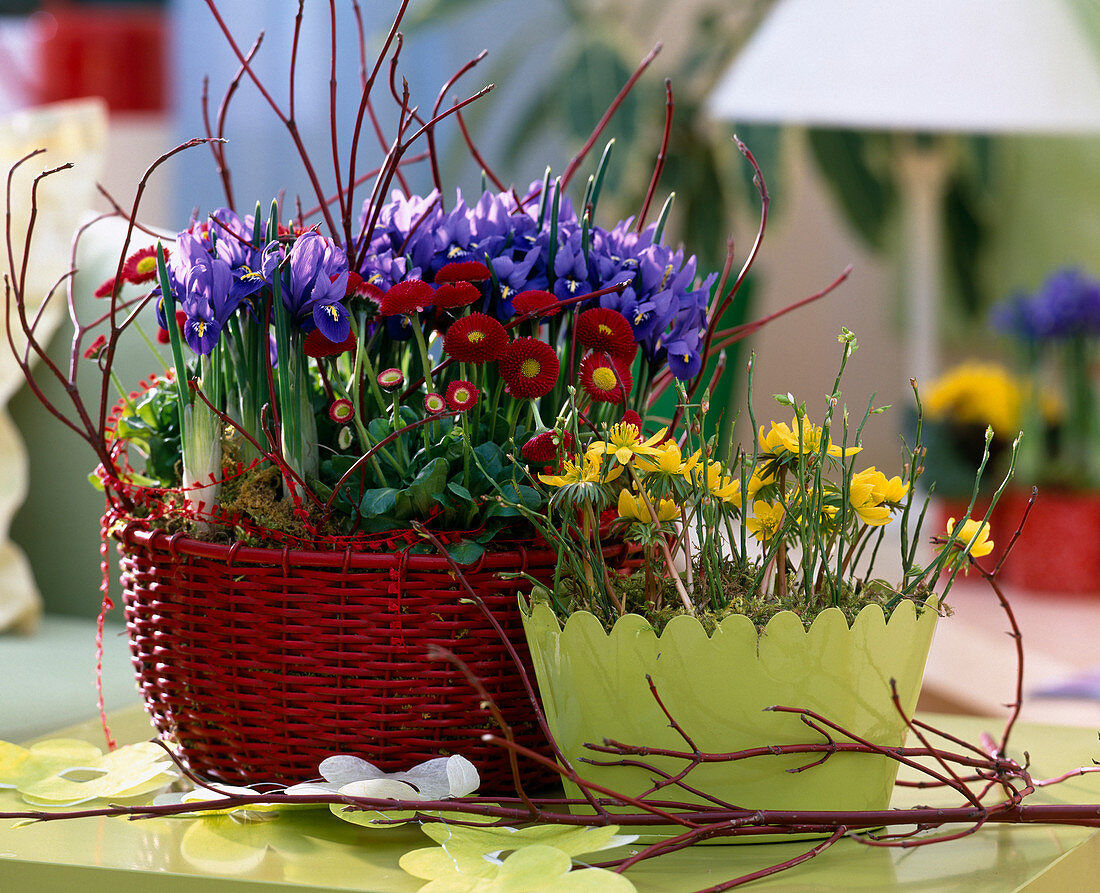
135, 534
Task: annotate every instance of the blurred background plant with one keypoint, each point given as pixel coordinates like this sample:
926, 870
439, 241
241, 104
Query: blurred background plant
1054, 331
958, 407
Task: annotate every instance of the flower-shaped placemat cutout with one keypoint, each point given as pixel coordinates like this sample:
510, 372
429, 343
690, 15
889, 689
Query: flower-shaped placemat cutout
63, 772
21, 766
539, 860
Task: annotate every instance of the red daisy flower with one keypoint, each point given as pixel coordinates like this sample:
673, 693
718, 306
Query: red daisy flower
605, 330
317, 345
475, 338
463, 271
605, 378
104, 291
547, 446
358, 287
461, 395
630, 417
341, 411
536, 302
456, 294
434, 403
529, 367
391, 379
141, 266
410, 296
93, 351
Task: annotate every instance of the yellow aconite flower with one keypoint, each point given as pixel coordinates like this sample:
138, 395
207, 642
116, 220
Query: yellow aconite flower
866, 501
872, 493
633, 507
719, 485
667, 459
770, 442
766, 521
624, 441
589, 470
757, 481
786, 438
983, 545
891, 490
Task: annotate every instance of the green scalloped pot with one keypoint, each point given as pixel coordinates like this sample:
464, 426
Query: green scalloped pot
593, 686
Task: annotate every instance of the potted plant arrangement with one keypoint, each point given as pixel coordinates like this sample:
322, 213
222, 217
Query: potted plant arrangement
376, 401
1055, 331
346, 377
758, 603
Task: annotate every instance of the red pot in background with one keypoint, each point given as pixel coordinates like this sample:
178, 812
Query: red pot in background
1059, 548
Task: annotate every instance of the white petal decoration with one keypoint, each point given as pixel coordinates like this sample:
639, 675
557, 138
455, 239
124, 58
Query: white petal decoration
437, 779
462, 777
344, 769
381, 789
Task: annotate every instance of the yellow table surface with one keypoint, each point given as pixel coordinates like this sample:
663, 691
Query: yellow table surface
315, 851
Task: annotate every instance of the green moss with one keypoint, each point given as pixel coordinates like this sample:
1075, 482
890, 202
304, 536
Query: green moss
737, 596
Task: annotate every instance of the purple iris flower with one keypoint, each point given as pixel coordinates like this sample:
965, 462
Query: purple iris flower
643, 315
318, 283
385, 270
514, 275
570, 268
661, 301
684, 358
207, 302
453, 240
233, 244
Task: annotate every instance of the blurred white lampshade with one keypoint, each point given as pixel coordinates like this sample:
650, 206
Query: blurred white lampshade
974, 66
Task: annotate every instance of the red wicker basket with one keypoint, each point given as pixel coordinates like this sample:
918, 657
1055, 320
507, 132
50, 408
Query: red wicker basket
258, 663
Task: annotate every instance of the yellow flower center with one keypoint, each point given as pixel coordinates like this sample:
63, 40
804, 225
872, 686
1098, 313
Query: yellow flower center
530, 368
604, 329
475, 337
147, 264
604, 378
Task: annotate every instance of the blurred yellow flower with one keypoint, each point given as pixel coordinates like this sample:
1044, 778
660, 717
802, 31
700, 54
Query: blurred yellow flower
979, 394
767, 520
633, 507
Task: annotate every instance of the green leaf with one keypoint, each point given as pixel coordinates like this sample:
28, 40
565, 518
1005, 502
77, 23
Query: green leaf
458, 490
381, 501
465, 552
379, 429
429, 483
